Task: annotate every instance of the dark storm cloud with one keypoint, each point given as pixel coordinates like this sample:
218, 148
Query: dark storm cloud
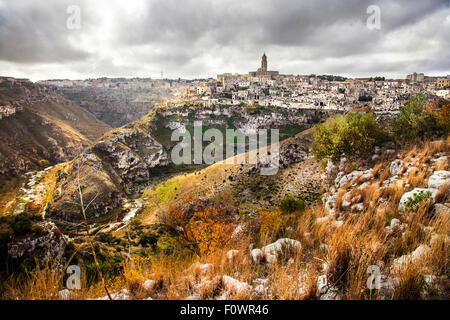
202, 37
309, 30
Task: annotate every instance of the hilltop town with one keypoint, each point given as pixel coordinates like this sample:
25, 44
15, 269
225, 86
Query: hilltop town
270, 88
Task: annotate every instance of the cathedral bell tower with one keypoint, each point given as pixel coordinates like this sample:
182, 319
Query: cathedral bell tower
264, 63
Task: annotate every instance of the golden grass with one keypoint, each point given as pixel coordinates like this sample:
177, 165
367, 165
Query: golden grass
346, 251
416, 177
384, 174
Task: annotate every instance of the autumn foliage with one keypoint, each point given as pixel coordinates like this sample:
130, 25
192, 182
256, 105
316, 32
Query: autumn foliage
200, 226
440, 108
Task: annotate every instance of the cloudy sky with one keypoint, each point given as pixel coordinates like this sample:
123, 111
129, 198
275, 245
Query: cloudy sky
40, 39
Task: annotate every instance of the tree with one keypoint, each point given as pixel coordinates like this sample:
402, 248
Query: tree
203, 227
413, 120
352, 135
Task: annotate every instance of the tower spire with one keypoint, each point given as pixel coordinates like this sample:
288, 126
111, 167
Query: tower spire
264, 63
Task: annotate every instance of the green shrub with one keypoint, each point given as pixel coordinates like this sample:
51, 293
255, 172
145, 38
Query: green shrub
21, 223
110, 265
135, 223
148, 239
353, 135
414, 120
38, 230
290, 204
106, 238
417, 199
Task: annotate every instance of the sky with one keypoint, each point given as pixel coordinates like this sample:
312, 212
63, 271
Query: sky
79, 39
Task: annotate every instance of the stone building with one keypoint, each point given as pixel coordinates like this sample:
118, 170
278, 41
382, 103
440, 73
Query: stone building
417, 77
263, 73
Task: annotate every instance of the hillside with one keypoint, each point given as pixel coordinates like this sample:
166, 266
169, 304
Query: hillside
136, 156
352, 199
39, 128
117, 101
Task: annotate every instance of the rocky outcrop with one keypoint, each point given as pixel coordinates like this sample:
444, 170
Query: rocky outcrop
356, 181
130, 154
47, 245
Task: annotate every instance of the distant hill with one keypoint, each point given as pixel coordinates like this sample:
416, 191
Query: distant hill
39, 128
117, 101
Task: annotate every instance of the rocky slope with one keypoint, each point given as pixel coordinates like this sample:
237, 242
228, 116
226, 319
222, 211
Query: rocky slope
129, 159
39, 128
117, 101
371, 225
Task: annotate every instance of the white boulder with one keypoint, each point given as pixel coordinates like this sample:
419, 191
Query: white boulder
412, 194
231, 254
234, 285
272, 250
256, 255
396, 167
412, 258
148, 284
438, 179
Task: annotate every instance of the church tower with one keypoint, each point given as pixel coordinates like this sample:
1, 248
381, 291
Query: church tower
264, 63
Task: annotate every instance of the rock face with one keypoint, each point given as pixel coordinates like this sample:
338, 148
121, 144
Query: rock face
129, 159
130, 154
288, 121
39, 128
46, 246
118, 101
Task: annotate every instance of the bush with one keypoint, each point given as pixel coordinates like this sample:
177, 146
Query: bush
106, 238
135, 223
203, 227
21, 223
352, 135
417, 199
440, 109
148, 239
414, 120
290, 204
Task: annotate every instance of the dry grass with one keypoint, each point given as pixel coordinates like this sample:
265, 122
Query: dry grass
384, 174
416, 177
410, 284
342, 253
376, 169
